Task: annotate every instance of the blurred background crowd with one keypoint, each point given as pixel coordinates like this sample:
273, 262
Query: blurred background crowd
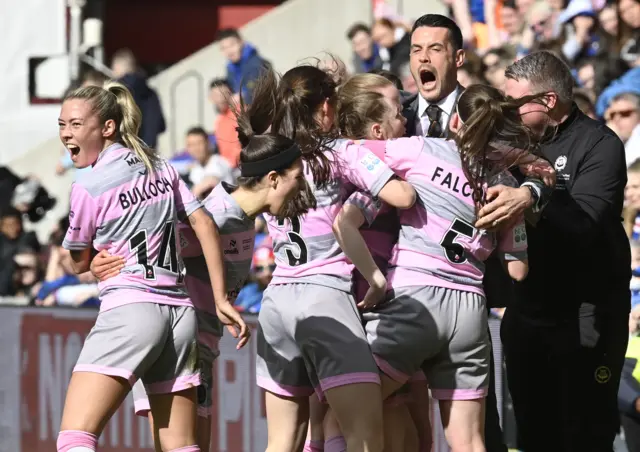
597, 38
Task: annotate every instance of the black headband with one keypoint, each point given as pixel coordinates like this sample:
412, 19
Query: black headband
276, 162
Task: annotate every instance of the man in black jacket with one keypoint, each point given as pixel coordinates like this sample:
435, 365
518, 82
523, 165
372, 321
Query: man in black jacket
565, 333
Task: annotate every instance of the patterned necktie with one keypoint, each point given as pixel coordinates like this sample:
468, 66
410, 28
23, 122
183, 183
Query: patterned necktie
434, 113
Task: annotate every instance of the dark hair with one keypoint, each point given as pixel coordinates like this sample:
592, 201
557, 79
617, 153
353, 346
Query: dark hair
357, 28
504, 53
606, 69
219, 83
253, 122
583, 101
491, 121
300, 93
440, 21
10, 212
511, 4
546, 72
228, 33
393, 78
198, 131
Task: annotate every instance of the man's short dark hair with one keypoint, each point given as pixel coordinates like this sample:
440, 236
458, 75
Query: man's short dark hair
228, 33
546, 72
10, 212
357, 28
440, 21
219, 83
198, 131
511, 4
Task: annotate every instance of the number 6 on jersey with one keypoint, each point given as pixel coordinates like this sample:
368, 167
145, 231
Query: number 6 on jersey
296, 244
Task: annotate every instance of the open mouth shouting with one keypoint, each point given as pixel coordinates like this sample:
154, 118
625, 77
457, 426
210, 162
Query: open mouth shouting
73, 149
428, 78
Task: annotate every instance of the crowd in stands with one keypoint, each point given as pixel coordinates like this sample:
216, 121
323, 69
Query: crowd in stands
598, 39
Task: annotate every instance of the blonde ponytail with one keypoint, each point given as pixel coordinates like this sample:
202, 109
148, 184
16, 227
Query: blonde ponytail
129, 125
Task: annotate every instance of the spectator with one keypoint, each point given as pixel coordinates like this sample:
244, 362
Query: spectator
584, 103
513, 23
496, 62
471, 71
209, 167
61, 286
608, 19
389, 76
394, 50
365, 51
579, 25
250, 297
26, 272
623, 117
225, 123
629, 30
540, 27
629, 395
244, 64
13, 236
632, 202
125, 70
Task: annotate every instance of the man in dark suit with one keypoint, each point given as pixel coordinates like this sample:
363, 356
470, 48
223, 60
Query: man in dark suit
436, 55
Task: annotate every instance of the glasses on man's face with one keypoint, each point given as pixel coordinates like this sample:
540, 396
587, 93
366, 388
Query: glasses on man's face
613, 115
263, 268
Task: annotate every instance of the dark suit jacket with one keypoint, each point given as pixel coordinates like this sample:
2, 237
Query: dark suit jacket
410, 111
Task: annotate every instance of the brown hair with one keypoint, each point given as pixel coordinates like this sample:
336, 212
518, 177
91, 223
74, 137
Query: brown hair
359, 104
301, 92
114, 102
253, 122
491, 120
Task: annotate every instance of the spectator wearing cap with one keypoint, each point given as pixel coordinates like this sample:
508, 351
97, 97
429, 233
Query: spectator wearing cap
366, 55
244, 63
250, 297
225, 123
582, 37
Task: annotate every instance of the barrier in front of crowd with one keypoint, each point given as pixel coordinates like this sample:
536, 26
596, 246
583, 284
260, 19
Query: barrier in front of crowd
39, 347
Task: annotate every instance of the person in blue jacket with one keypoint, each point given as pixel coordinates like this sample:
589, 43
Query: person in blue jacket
244, 65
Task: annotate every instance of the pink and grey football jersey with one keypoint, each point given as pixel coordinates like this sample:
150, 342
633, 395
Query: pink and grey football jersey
237, 235
306, 249
380, 232
438, 244
122, 207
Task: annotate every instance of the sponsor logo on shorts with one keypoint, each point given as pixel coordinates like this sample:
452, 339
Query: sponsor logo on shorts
603, 374
371, 163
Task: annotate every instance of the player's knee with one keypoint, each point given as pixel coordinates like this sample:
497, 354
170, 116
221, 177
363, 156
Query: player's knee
367, 429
